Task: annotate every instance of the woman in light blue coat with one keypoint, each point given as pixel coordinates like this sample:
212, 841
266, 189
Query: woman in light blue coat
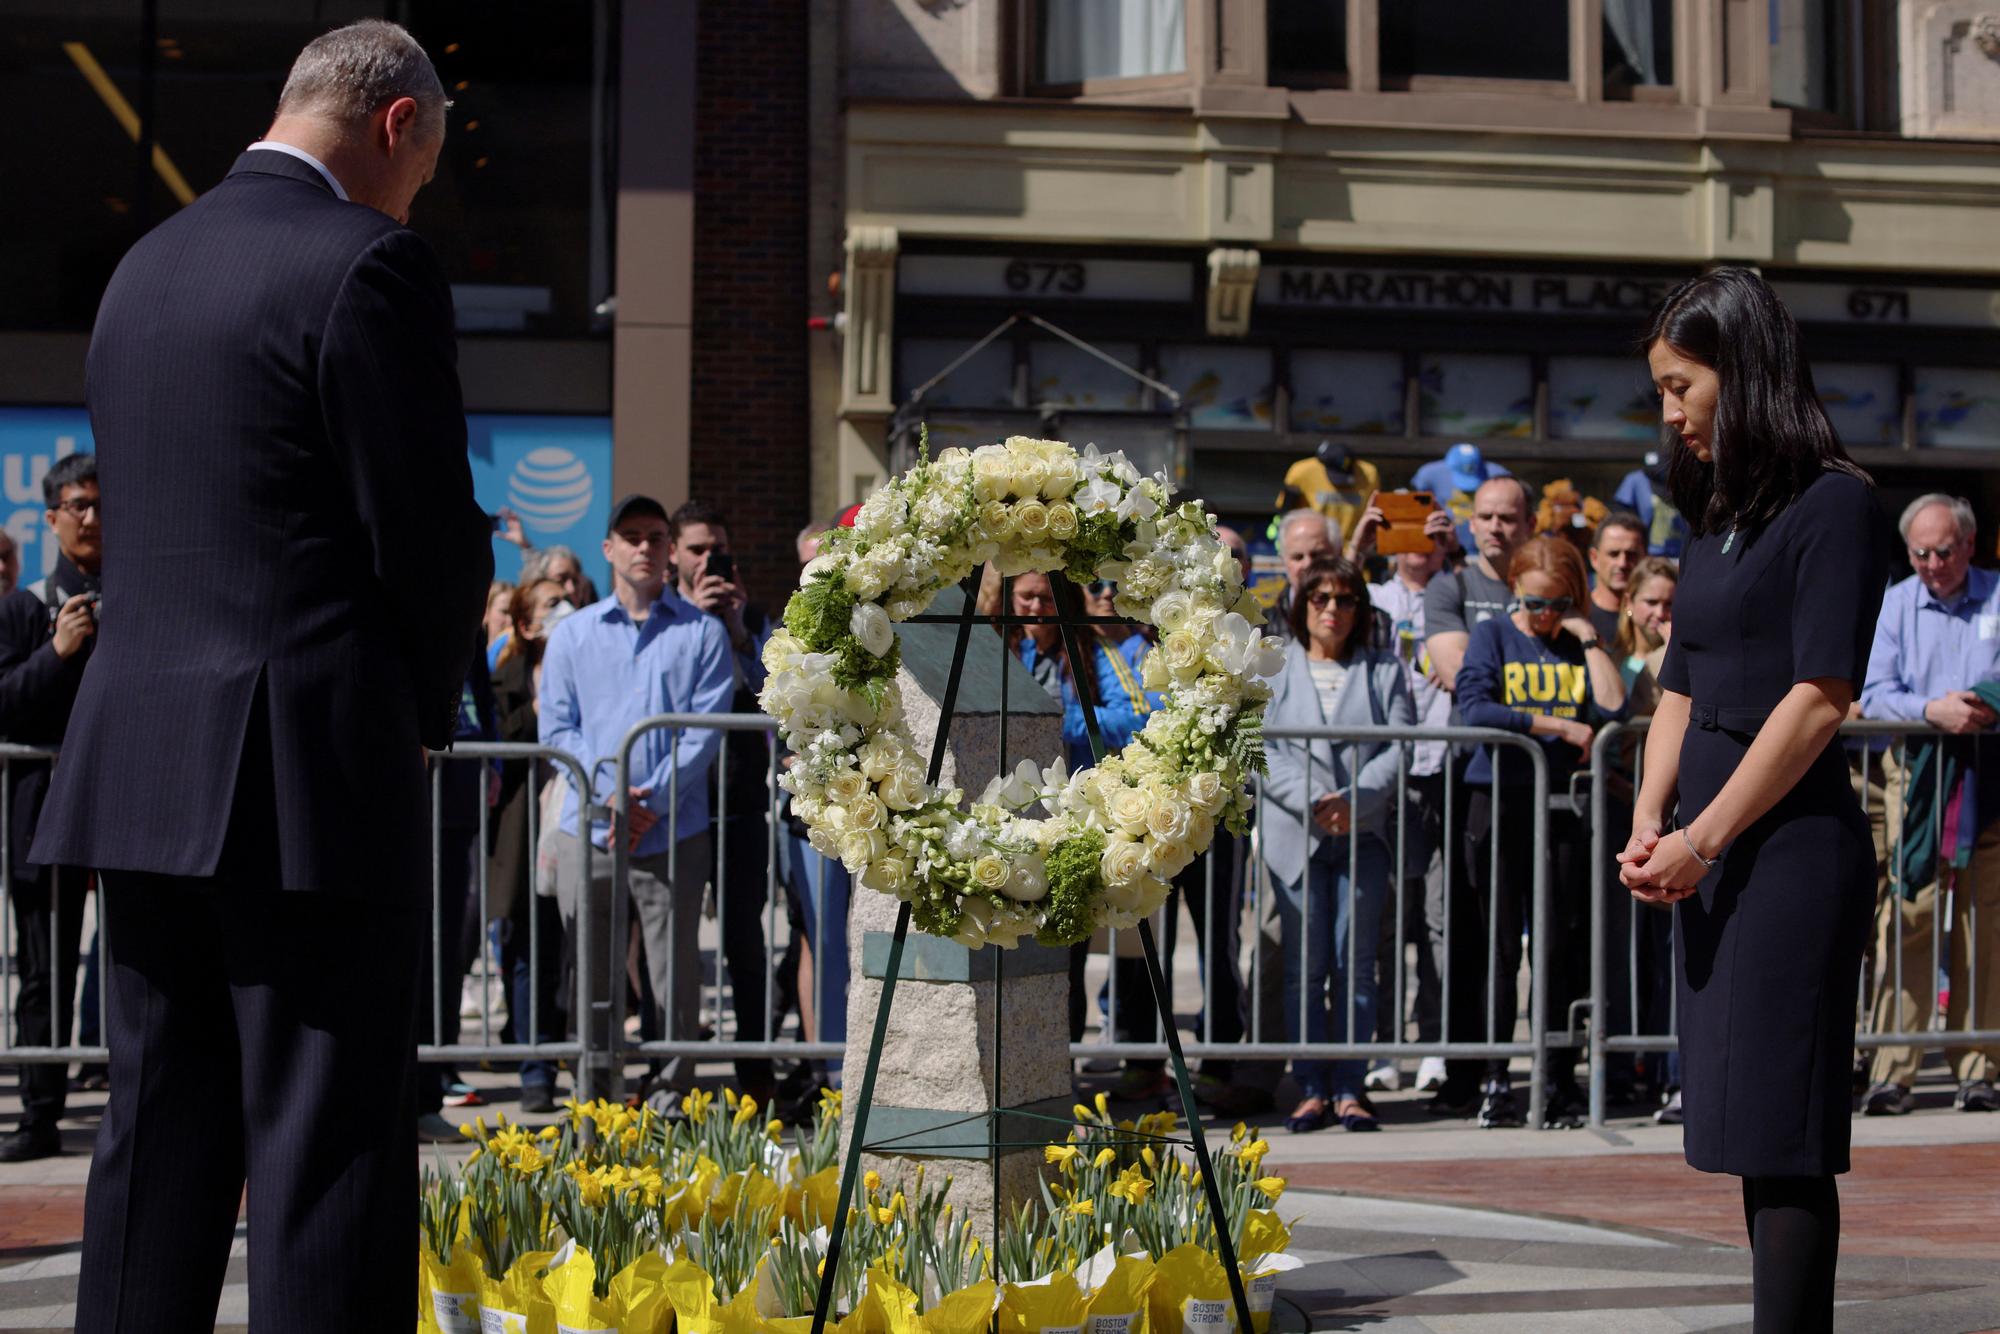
1322, 823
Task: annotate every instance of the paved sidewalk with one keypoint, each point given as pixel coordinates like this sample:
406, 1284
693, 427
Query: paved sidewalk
1428, 1226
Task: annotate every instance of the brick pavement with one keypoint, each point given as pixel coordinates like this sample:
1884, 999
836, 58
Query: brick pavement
38, 1218
1935, 1200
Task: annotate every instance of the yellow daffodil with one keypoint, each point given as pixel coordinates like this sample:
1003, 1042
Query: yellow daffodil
871, 1181
548, 1133
1104, 1159
1272, 1187
1236, 1135
1103, 1104
1062, 1155
1080, 1112
746, 1110
1149, 1158
1132, 1186
696, 1105
1078, 1208
775, 1131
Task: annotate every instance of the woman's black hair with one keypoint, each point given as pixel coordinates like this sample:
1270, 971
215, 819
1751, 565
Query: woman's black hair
1771, 438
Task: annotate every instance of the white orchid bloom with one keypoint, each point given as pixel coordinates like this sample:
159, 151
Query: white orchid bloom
1137, 505
1096, 496
1241, 651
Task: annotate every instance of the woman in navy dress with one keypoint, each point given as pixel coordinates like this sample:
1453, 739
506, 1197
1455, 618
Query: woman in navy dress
1746, 821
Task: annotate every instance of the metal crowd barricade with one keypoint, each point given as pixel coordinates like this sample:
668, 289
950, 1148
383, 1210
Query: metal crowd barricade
1882, 746
590, 1078
1218, 879
62, 1052
761, 1046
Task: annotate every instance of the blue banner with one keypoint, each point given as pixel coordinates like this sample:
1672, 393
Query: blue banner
31, 440
555, 472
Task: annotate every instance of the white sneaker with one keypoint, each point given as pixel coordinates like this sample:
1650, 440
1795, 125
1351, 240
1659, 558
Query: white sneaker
1430, 1074
1384, 1078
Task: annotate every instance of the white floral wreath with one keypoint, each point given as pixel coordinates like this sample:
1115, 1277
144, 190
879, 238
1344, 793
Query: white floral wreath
1114, 834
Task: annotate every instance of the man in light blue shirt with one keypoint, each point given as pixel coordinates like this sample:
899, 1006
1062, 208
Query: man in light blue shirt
642, 651
1938, 636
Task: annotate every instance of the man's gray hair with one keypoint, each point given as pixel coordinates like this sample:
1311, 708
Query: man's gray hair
1961, 513
1303, 515
348, 74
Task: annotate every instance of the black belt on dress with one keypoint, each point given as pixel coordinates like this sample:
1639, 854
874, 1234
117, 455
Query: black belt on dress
1710, 718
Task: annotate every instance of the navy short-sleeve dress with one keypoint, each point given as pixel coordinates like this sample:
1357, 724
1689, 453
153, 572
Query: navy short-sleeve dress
1768, 950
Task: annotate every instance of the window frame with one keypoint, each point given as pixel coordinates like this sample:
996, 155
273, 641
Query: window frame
1027, 35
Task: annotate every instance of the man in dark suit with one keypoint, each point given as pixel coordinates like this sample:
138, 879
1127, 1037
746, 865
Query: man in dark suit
272, 384
46, 635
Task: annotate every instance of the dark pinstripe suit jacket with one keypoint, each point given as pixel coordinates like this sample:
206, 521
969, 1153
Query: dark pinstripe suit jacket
294, 563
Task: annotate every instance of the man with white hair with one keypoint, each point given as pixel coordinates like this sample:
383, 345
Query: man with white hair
274, 393
1304, 537
1937, 639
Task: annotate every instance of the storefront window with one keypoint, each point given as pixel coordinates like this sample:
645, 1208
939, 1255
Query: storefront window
1527, 39
1111, 39
986, 380
1223, 388
1350, 392
1307, 41
1861, 400
1638, 43
1601, 398
1476, 394
1066, 375
1959, 406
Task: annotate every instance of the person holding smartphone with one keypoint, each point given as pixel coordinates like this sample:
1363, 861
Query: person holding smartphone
705, 573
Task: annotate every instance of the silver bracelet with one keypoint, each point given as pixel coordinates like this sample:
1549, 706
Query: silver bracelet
1688, 838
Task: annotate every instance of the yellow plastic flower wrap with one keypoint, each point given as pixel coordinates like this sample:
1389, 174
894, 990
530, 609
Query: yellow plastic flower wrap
1052, 1305
690, 1292
686, 1208
818, 1197
453, 1287
1118, 1286
1190, 1294
1265, 1256
517, 1304
634, 1303
966, 1311
751, 1188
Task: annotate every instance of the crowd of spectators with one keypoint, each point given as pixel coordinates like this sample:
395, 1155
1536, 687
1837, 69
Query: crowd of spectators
1385, 894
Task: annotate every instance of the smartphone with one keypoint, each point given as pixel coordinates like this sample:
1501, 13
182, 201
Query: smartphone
721, 565
1406, 514
499, 524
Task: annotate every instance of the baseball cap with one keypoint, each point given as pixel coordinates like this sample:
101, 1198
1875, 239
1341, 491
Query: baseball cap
633, 503
1467, 466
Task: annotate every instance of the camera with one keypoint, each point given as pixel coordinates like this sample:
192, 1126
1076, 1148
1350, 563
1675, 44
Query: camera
721, 565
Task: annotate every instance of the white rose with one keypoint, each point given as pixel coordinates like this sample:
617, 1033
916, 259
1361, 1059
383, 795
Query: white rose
1031, 520
1153, 673
1127, 809
902, 791
1182, 651
1029, 475
847, 787
1123, 864
990, 872
1063, 476
992, 474
858, 847
1169, 857
997, 518
1165, 818
978, 914
866, 813
887, 875
871, 626
879, 757
1063, 522
1204, 789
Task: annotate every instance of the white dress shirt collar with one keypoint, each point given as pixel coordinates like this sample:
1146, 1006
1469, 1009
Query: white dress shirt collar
274, 146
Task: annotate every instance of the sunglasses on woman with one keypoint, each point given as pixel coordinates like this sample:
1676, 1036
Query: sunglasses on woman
1341, 601
1536, 606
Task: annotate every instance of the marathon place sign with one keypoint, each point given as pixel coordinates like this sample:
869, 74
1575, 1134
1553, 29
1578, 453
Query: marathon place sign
1487, 292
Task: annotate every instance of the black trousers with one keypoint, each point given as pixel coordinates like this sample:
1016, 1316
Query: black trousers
1215, 919
741, 895
45, 1009
258, 1037
1488, 916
